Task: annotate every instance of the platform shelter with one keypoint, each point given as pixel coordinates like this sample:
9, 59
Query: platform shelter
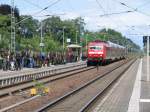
74, 52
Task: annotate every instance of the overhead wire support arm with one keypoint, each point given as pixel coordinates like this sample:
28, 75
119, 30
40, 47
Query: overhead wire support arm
100, 6
39, 11
134, 9
107, 15
116, 13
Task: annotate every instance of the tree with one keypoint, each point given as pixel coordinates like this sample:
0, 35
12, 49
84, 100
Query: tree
52, 26
5, 24
6, 10
29, 27
111, 35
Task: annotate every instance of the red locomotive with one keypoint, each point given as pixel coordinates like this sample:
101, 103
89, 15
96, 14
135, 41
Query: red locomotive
104, 52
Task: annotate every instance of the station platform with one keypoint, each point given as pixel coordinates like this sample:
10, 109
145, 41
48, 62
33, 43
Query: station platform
131, 93
29, 70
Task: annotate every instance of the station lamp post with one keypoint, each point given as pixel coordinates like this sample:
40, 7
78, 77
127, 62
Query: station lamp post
64, 37
64, 43
41, 41
77, 37
86, 35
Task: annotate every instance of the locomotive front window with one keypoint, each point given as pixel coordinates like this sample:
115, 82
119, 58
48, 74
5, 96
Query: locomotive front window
92, 48
95, 47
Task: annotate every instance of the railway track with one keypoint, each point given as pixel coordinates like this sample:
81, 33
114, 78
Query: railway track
20, 77
20, 103
45, 80
6, 90
77, 99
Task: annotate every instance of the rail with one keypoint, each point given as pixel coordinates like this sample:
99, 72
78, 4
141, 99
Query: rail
51, 104
20, 78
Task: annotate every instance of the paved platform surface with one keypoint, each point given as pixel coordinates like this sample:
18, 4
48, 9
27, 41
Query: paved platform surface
145, 88
26, 70
131, 93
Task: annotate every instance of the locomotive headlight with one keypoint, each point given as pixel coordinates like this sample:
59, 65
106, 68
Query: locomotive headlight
91, 52
99, 52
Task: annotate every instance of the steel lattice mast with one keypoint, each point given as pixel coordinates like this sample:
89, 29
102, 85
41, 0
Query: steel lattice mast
12, 46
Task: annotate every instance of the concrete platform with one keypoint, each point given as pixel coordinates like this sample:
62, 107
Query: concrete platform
145, 88
28, 70
131, 93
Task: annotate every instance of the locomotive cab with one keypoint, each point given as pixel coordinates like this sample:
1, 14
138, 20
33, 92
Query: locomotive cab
96, 53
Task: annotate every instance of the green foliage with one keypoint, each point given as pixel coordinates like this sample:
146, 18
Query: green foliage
6, 10
109, 35
51, 45
39, 86
29, 27
30, 43
54, 27
28, 32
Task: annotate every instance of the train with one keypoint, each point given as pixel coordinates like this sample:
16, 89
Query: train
103, 52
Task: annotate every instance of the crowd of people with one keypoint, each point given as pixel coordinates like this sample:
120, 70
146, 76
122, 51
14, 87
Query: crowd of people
16, 61
30, 59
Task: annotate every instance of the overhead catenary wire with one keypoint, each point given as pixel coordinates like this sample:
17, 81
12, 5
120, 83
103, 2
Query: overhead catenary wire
33, 4
107, 15
50, 15
51, 4
134, 9
70, 5
139, 31
115, 13
40, 11
100, 6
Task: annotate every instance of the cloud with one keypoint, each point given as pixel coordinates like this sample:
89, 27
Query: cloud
90, 11
70, 15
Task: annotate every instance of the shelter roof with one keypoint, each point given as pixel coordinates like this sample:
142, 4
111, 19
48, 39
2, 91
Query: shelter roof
73, 46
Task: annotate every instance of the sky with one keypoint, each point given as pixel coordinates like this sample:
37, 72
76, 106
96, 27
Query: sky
97, 14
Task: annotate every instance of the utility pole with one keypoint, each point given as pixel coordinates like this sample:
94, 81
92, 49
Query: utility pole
41, 33
13, 43
64, 59
86, 43
41, 42
63, 38
80, 42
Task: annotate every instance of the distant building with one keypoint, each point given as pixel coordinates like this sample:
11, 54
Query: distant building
145, 43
